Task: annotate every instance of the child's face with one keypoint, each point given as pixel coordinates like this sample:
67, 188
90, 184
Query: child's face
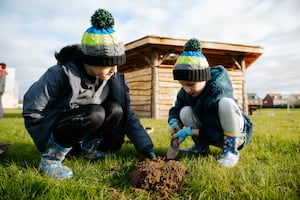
193, 88
103, 72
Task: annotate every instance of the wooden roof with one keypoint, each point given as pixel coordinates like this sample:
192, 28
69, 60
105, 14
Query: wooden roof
168, 50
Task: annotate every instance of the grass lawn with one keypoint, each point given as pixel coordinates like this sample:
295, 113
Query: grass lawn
269, 167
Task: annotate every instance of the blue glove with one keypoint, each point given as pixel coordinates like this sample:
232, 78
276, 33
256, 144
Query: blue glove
183, 133
174, 126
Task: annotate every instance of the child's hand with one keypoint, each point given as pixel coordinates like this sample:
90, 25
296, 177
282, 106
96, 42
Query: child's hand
174, 126
183, 133
148, 152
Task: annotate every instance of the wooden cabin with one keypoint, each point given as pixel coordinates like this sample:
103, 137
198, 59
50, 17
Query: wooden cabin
294, 101
150, 62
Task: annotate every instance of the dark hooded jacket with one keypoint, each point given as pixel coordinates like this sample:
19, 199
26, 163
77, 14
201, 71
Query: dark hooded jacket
55, 91
205, 106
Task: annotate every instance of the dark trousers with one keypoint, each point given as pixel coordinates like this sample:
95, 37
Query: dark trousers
1, 106
87, 121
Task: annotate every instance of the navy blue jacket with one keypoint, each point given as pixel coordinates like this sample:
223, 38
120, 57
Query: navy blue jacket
53, 93
205, 106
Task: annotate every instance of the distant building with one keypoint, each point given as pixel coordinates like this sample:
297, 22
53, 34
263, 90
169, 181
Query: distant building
254, 102
273, 100
294, 101
10, 97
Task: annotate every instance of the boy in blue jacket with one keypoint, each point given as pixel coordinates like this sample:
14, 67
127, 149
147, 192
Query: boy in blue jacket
82, 103
205, 108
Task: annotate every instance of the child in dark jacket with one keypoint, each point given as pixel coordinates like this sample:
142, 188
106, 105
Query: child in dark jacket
205, 108
82, 102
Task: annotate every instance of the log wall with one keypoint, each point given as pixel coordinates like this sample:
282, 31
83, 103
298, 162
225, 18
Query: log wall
139, 83
237, 80
167, 92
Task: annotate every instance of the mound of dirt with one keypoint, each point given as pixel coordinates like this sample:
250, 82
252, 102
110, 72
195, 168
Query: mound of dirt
162, 176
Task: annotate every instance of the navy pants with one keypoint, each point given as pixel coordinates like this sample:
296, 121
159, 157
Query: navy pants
1, 106
87, 121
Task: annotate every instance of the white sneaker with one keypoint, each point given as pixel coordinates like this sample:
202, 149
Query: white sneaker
229, 159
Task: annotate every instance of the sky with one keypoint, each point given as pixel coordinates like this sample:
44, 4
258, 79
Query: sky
33, 30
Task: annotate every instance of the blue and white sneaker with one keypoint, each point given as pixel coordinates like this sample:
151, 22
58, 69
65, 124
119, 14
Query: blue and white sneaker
55, 169
90, 150
51, 161
230, 155
229, 159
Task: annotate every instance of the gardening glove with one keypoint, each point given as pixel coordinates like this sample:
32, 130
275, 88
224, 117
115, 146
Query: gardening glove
183, 133
148, 152
174, 126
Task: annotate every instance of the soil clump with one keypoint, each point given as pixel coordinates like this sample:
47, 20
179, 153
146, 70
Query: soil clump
159, 175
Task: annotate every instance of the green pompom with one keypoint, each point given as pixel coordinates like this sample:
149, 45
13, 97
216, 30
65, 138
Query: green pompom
102, 19
192, 45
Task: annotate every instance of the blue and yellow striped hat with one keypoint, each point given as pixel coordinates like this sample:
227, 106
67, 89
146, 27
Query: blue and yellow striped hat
100, 45
192, 65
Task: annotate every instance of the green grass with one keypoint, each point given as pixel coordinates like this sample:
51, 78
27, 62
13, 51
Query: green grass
269, 168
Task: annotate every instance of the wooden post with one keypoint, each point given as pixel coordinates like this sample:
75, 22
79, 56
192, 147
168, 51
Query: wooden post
244, 91
154, 98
